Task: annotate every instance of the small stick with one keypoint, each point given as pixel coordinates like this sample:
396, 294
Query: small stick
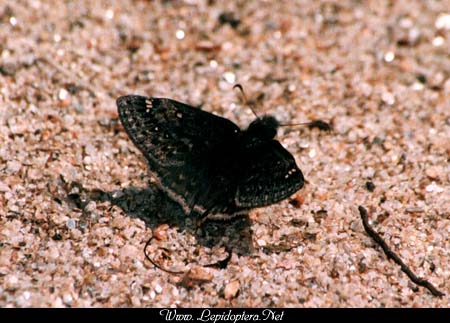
392, 255
154, 263
221, 264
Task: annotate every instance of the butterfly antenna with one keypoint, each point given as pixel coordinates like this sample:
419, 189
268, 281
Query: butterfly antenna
295, 124
319, 124
244, 98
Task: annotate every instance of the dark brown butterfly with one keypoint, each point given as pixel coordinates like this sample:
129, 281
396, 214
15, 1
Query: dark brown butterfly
205, 162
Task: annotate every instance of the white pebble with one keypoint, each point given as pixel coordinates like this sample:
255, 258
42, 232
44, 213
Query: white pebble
388, 98
389, 57
13, 21
417, 86
67, 298
438, 41
109, 14
63, 94
261, 242
158, 289
180, 34
13, 166
443, 21
71, 224
230, 77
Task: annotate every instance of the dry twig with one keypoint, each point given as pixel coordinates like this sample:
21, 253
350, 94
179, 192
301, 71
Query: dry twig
392, 255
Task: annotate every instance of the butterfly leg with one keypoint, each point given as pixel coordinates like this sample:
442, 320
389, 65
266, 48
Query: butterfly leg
195, 201
200, 220
192, 206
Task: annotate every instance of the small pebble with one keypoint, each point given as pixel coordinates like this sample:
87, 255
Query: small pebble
13, 21
432, 172
230, 77
388, 98
180, 34
160, 232
231, 289
71, 224
389, 57
298, 200
109, 14
443, 21
438, 41
261, 242
196, 275
13, 166
370, 186
63, 94
158, 289
230, 18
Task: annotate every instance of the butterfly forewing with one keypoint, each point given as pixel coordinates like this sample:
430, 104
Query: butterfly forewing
167, 131
177, 140
270, 175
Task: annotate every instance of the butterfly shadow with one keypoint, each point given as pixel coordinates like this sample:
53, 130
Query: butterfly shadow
155, 208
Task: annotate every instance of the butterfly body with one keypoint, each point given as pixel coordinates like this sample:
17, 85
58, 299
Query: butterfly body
205, 162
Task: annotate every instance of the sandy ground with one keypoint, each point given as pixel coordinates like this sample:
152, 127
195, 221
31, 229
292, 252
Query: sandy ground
77, 204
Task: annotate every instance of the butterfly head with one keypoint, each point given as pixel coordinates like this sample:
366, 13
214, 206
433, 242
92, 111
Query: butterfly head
264, 127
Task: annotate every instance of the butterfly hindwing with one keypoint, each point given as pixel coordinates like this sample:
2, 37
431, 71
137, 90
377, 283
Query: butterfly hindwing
270, 175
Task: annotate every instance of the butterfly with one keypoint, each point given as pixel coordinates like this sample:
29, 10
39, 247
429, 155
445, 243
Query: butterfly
206, 163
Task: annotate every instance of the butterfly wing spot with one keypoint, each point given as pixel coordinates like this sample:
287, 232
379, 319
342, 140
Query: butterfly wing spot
290, 172
179, 115
149, 104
